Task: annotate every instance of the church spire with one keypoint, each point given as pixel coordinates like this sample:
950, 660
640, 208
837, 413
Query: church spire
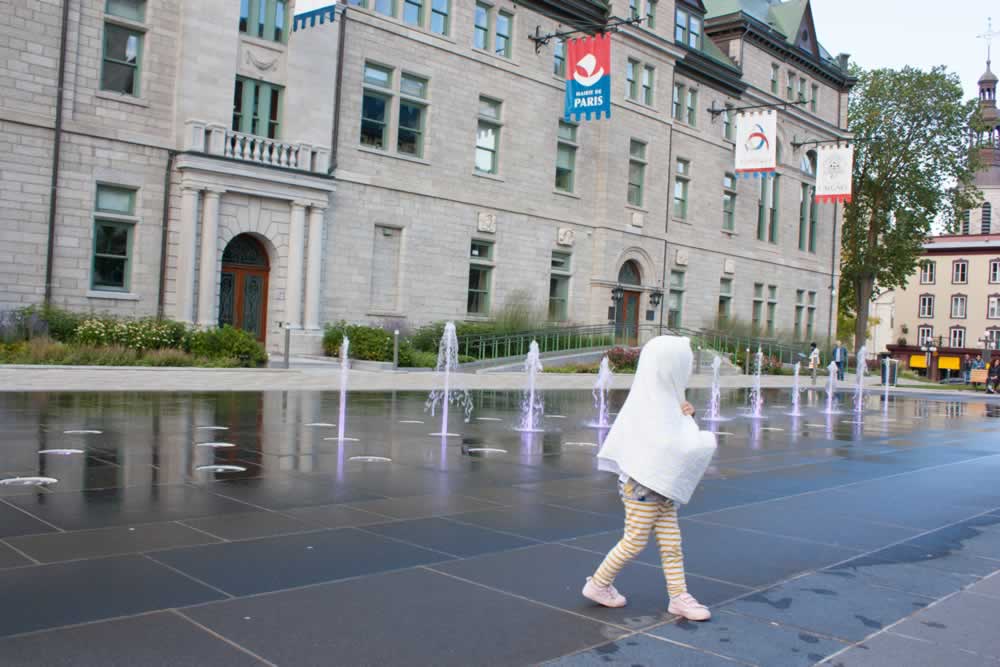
988, 81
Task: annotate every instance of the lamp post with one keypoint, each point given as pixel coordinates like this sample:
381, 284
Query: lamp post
928, 348
655, 299
617, 294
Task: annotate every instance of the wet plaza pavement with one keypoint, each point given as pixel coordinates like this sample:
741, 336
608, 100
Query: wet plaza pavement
235, 529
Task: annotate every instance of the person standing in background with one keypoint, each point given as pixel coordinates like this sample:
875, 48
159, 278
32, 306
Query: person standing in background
813, 361
840, 358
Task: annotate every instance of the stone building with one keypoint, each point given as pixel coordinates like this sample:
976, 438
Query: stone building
407, 160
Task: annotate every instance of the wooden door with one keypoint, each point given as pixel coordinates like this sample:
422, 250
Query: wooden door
628, 323
243, 287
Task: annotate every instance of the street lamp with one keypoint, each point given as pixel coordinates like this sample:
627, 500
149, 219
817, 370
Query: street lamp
617, 294
928, 348
655, 299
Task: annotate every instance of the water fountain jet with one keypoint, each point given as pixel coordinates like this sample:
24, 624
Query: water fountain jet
532, 407
447, 363
601, 388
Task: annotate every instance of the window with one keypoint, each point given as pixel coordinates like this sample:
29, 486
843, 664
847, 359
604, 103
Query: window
775, 73
651, 14
636, 171
480, 276
926, 305
801, 97
687, 29
412, 109
114, 223
767, 210
808, 164
413, 12
811, 315
957, 337
814, 100
502, 41
772, 308
925, 335
987, 218
559, 286
488, 137
813, 221
958, 306
648, 72
631, 80
800, 310
676, 109
790, 87
441, 16
559, 59
927, 273
375, 104
993, 307
675, 300
727, 123
758, 307
121, 60
692, 108
566, 157
725, 300
729, 202
266, 19
681, 178
257, 108
995, 271
481, 37
960, 272
633, 9
994, 336
133, 10
387, 7
805, 197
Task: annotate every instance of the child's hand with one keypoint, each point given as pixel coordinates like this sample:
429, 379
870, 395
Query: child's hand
687, 409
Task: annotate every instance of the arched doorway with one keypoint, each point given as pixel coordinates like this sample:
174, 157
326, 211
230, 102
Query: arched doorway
243, 288
627, 316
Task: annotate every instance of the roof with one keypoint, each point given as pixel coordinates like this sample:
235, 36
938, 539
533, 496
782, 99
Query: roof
988, 76
586, 15
786, 17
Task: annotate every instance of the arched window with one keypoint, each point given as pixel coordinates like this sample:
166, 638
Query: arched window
808, 164
630, 274
987, 217
966, 223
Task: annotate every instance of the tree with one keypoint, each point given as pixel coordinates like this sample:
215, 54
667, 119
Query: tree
912, 166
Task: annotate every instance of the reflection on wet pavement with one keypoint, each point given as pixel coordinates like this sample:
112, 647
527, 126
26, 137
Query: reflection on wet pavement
171, 501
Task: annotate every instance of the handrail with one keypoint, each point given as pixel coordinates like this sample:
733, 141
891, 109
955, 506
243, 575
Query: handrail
482, 347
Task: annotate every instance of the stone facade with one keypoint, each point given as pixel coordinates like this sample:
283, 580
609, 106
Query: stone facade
363, 234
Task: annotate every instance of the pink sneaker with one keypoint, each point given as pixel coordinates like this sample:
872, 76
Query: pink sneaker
687, 607
603, 595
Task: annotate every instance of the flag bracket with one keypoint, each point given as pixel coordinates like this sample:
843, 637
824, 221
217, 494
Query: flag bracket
613, 25
796, 145
715, 111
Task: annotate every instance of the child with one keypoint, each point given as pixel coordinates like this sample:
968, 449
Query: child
652, 430
813, 361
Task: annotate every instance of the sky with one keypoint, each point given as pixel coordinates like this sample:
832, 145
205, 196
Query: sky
893, 33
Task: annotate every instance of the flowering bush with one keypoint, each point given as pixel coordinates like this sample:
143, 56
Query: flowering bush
226, 342
138, 335
623, 359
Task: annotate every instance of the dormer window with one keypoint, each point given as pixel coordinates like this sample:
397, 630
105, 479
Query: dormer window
688, 29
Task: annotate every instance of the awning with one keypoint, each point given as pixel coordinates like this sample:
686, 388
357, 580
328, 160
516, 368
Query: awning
918, 361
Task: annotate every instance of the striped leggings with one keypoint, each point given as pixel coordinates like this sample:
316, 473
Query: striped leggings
640, 518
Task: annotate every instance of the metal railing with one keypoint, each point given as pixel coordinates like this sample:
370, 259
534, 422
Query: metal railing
483, 347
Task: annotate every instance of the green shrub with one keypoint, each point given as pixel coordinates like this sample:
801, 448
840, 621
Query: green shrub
367, 343
573, 368
421, 359
173, 358
226, 342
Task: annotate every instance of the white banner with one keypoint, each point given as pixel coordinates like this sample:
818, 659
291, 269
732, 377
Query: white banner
756, 142
834, 173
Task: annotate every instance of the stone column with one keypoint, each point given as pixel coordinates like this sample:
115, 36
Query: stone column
296, 256
209, 272
315, 267
188, 243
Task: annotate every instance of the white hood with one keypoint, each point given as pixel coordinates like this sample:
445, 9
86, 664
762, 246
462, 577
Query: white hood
651, 441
